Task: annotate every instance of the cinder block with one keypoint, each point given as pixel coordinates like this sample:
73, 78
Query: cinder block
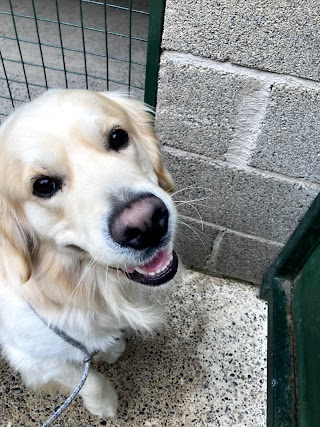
289, 142
197, 107
243, 257
239, 199
271, 35
194, 242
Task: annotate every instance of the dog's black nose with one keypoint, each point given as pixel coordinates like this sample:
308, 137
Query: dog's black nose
141, 223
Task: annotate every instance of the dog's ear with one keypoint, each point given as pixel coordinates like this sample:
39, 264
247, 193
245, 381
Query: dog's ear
15, 263
142, 120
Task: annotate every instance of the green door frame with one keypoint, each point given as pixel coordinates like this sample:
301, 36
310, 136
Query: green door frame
284, 288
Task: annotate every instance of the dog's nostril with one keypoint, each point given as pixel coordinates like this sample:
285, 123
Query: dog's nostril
160, 217
133, 233
132, 237
157, 215
141, 223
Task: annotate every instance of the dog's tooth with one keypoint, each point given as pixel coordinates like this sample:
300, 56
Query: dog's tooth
140, 270
158, 271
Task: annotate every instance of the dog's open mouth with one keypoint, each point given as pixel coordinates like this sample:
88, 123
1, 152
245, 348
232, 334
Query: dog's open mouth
156, 272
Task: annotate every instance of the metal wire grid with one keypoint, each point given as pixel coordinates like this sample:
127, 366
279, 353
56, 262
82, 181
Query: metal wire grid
71, 43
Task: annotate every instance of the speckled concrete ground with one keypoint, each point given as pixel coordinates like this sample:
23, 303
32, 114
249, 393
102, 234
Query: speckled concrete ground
207, 368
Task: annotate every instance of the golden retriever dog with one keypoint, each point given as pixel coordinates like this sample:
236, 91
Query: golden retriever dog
86, 235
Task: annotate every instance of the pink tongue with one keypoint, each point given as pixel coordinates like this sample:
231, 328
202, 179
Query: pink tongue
157, 262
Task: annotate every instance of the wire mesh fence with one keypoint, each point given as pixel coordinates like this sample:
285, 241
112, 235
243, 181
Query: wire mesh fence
99, 45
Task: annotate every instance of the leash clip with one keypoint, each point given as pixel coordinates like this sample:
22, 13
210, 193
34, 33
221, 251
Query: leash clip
88, 357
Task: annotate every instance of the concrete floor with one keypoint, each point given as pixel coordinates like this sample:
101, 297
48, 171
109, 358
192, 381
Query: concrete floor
207, 368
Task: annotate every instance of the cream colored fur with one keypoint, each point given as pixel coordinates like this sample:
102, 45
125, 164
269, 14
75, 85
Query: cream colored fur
63, 132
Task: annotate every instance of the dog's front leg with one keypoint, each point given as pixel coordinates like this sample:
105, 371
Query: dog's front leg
98, 395
114, 352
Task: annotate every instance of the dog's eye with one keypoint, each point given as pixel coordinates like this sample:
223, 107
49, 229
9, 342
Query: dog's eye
46, 186
118, 138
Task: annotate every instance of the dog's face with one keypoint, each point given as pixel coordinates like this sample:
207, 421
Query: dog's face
82, 172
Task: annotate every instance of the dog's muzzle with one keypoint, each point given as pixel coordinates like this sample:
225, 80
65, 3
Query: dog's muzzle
142, 224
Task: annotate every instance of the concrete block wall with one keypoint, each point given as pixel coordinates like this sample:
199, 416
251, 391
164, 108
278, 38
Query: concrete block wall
238, 113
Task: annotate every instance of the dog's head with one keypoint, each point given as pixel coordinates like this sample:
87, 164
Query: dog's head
82, 172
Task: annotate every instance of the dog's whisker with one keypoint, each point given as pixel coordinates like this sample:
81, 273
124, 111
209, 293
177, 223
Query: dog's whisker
201, 223
194, 231
84, 273
90, 285
193, 203
191, 187
196, 209
197, 199
192, 200
198, 205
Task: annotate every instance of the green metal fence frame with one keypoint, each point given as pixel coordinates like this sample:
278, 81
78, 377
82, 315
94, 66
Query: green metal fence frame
155, 27
156, 16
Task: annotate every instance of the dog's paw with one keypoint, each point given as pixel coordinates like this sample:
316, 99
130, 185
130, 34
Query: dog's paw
114, 353
105, 404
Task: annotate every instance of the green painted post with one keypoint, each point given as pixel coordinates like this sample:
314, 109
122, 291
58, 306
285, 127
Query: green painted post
154, 50
306, 308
